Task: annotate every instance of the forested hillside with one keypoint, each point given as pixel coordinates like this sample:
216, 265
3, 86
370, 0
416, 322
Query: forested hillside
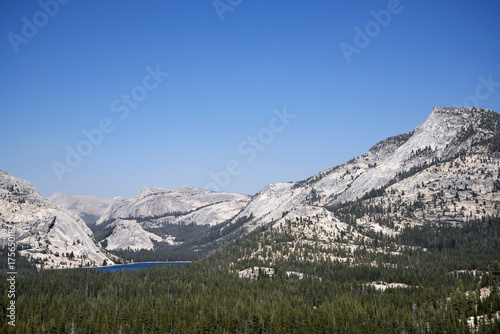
451, 274
404, 239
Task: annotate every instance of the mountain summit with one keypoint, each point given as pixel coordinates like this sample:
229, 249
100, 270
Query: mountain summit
447, 134
444, 173
446, 170
49, 236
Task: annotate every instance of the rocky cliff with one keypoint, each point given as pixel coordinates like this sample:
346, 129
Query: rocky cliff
154, 208
49, 236
446, 135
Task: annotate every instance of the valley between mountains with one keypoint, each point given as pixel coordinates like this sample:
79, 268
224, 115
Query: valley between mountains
404, 238
445, 171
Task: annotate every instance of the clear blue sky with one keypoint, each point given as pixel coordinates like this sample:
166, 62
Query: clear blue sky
225, 78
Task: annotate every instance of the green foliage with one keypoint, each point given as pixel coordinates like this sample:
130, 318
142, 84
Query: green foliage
196, 241
374, 193
495, 143
208, 296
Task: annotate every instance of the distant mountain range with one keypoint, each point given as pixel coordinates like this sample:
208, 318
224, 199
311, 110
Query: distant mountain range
446, 170
89, 208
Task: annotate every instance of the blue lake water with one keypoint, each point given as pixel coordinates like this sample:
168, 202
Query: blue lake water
135, 266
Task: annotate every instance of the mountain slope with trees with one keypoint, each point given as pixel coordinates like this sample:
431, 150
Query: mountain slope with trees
405, 239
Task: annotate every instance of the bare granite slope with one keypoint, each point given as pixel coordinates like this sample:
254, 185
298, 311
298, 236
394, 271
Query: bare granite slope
447, 133
156, 207
51, 237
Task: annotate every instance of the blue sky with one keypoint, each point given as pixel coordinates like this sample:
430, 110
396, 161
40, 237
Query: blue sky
74, 66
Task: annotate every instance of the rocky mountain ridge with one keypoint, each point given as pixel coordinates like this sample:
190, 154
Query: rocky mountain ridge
49, 236
447, 133
445, 171
154, 208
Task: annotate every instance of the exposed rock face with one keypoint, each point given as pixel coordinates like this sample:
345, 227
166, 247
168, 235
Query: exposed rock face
52, 237
155, 207
89, 208
254, 272
127, 234
384, 286
445, 171
445, 134
182, 205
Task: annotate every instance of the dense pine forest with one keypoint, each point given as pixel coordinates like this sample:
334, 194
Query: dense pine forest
446, 271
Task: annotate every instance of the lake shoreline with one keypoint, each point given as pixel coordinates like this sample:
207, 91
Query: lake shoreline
138, 265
